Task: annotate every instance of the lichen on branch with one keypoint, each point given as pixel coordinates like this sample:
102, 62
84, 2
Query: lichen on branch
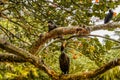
43, 38
28, 57
55, 33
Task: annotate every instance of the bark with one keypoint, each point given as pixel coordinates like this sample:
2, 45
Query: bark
54, 34
11, 58
92, 74
68, 30
76, 76
107, 26
25, 55
28, 57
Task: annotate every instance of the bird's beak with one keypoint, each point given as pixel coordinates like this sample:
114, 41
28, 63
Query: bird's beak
114, 13
96, 1
64, 43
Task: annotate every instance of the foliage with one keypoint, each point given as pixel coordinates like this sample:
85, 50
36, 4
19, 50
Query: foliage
20, 71
22, 21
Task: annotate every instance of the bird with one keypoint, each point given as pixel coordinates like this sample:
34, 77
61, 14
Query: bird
51, 25
1, 2
64, 61
109, 16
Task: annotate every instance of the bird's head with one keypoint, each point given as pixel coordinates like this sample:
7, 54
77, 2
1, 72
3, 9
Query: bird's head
110, 11
50, 22
114, 13
63, 45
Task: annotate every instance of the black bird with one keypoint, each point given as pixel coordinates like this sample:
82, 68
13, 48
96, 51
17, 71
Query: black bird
1, 3
51, 26
109, 16
64, 61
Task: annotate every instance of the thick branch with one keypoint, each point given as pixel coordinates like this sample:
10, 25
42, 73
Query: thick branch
11, 58
76, 76
38, 63
12, 34
28, 57
55, 33
112, 25
68, 30
91, 74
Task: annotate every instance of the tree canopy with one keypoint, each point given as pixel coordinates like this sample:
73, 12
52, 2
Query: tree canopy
29, 51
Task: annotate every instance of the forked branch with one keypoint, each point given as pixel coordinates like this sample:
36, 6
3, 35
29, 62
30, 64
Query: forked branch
68, 30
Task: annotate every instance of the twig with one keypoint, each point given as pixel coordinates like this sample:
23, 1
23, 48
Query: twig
94, 36
11, 58
38, 62
14, 35
105, 38
116, 47
49, 44
5, 33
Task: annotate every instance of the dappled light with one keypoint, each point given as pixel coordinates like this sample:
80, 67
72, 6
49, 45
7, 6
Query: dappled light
59, 40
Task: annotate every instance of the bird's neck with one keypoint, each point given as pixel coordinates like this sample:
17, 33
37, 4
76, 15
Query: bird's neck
62, 48
62, 52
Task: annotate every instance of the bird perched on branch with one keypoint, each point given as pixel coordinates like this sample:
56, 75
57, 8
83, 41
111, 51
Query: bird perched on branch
109, 16
51, 26
1, 2
64, 60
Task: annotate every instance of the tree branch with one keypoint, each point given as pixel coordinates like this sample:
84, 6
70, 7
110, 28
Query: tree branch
54, 34
76, 76
105, 38
91, 74
38, 62
49, 44
112, 25
116, 47
86, 36
68, 30
7, 31
11, 58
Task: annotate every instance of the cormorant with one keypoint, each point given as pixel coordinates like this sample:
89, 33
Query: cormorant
64, 61
109, 16
51, 26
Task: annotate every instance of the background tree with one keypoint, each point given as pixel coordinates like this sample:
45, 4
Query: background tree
23, 24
